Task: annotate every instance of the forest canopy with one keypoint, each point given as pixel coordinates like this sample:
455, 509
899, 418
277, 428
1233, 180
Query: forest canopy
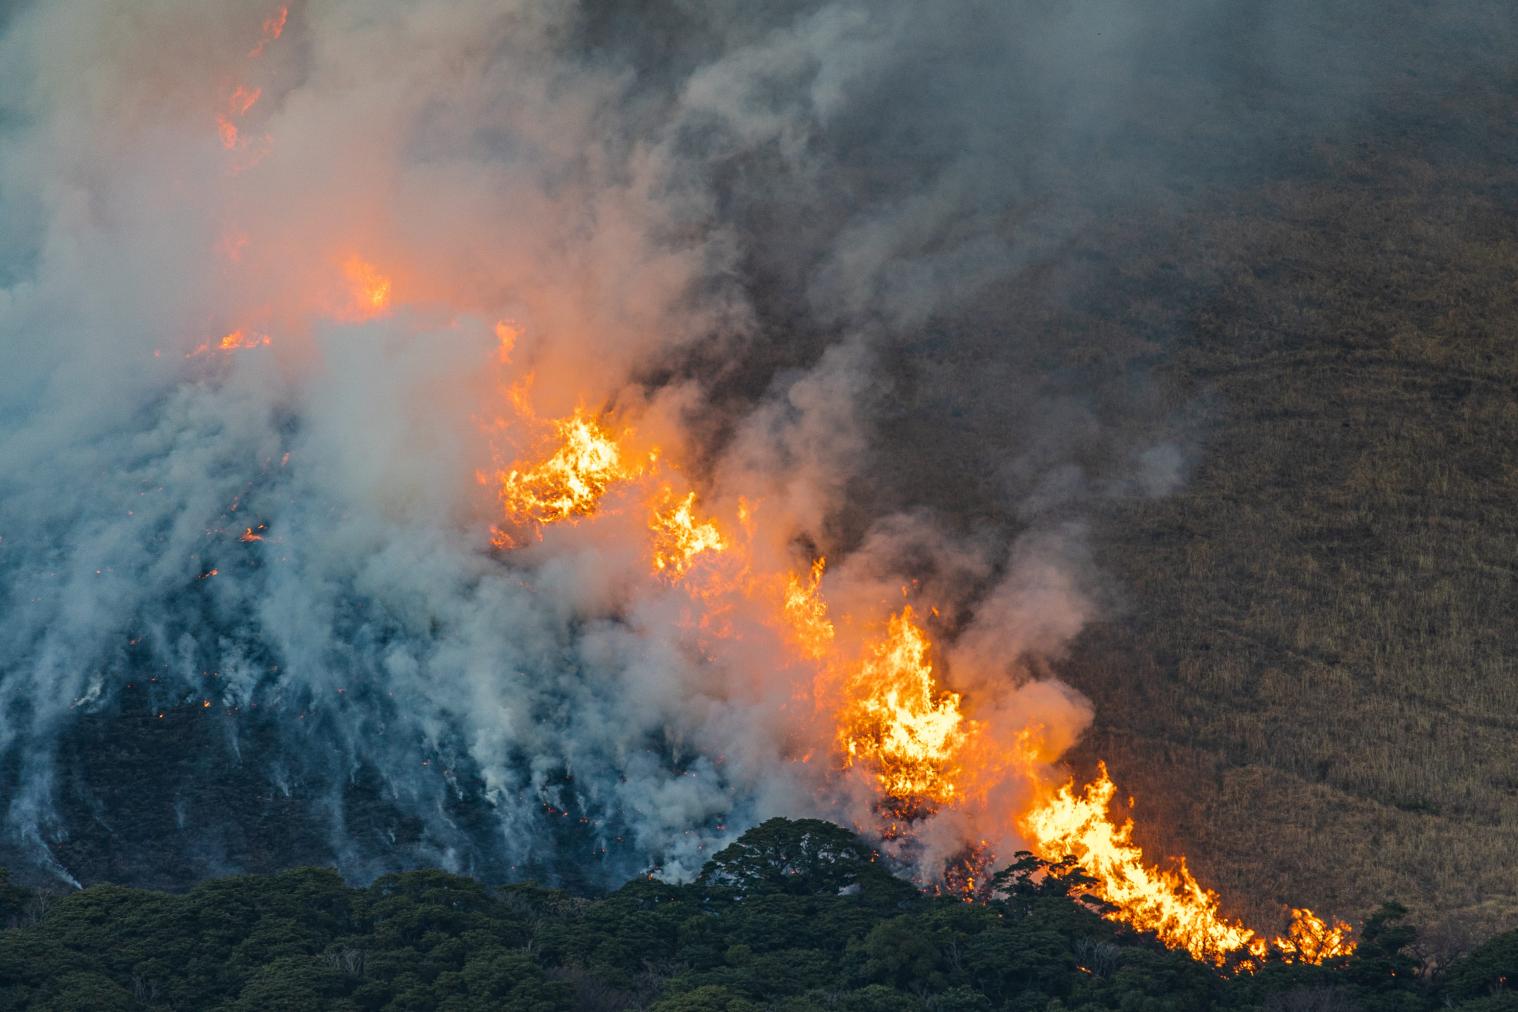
794, 915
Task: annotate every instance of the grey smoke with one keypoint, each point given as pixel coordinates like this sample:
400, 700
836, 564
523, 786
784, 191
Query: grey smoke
775, 231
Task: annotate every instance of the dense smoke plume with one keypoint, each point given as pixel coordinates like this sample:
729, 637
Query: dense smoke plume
270, 279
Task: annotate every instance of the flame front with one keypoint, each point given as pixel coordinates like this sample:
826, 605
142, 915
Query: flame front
882, 711
806, 614
237, 340
1172, 904
896, 720
919, 745
571, 481
679, 537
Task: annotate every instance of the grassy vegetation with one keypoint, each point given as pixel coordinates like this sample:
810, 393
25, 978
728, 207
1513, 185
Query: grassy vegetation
1308, 671
1319, 655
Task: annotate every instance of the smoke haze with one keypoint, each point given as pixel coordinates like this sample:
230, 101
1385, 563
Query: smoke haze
788, 244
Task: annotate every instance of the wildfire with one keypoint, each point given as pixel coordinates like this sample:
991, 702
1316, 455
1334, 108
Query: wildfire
238, 103
679, 538
235, 341
571, 481
896, 721
893, 719
272, 29
806, 613
507, 333
243, 98
1171, 904
1311, 939
369, 290
922, 747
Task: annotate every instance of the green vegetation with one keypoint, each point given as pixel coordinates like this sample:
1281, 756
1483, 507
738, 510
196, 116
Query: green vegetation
794, 916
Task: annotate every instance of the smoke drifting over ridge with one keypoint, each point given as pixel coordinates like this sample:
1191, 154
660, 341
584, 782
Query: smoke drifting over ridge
728, 230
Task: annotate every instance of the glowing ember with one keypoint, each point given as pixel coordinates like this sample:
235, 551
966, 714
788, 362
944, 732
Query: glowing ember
571, 481
369, 289
679, 538
272, 30
507, 334
896, 721
235, 341
241, 100
1172, 904
965, 876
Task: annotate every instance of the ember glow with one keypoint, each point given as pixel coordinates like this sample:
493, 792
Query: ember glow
369, 290
273, 28
237, 340
239, 102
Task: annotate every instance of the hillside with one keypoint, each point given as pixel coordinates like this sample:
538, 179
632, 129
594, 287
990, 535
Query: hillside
1316, 662
794, 916
1159, 361
1304, 670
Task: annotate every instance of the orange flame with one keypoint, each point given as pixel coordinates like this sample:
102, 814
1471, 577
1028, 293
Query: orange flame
272, 29
237, 340
241, 100
897, 721
679, 538
240, 339
1311, 939
507, 333
571, 481
924, 751
369, 290
1172, 904
806, 613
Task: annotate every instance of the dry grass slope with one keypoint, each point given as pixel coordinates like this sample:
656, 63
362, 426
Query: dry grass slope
1319, 668
1310, 677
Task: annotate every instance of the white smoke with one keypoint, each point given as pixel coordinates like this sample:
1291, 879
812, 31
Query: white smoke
626, 208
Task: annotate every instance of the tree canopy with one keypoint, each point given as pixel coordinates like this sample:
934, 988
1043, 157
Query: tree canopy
793, 916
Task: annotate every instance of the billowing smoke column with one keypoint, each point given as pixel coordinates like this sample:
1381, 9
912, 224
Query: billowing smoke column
444, 425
